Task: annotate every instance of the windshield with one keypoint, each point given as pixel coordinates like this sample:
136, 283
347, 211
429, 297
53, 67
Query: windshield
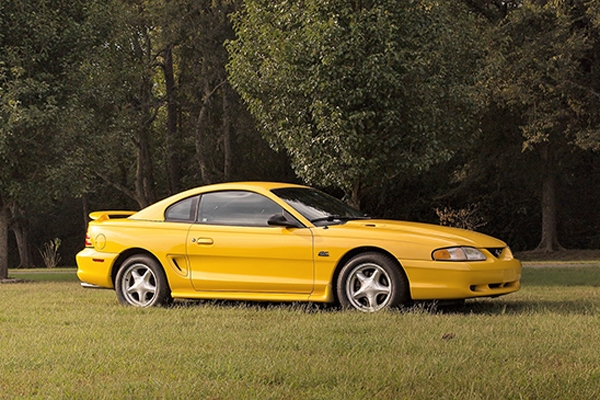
318, 207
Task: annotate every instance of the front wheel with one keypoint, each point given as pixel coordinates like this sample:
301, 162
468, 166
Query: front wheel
141, 282
370, 282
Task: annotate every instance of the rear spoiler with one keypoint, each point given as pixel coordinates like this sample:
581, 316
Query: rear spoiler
106, 215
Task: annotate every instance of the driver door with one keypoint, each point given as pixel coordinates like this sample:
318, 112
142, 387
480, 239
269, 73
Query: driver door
232, 248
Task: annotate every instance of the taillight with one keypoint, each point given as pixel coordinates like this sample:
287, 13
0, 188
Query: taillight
88, 240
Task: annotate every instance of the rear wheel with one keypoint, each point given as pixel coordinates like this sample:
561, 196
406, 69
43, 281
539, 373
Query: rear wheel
141, 282
370, 282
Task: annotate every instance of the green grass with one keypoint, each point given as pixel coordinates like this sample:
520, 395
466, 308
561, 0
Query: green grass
45, 274
58, 340
567, 276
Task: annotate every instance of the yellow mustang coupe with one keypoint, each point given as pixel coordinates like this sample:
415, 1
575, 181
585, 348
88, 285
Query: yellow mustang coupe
282, 242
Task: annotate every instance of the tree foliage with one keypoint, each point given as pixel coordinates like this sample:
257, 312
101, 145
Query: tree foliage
41, 41
487, 110
357, 93
158, 92
542, 68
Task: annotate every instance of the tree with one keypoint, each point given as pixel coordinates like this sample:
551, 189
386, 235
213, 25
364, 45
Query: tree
41, 44
588, 132
158, 92
357, 93
541, 68
119, 106
206, 104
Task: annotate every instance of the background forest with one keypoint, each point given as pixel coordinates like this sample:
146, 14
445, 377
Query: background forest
483, 114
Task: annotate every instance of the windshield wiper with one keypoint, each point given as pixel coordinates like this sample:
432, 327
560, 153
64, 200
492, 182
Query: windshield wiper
331, 218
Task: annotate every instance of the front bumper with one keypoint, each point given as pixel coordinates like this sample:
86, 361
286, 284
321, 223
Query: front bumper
434, 280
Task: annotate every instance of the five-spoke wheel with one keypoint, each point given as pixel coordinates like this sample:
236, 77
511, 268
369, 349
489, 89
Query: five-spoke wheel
370, 282
141, 282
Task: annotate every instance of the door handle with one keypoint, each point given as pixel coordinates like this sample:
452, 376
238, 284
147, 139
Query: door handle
203, 241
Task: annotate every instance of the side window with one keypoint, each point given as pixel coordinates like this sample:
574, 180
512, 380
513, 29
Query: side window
236, 208
182, 211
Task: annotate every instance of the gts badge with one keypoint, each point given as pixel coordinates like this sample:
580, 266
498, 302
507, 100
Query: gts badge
323, 254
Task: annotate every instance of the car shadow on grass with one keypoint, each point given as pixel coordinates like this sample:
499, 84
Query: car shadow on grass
474, 307
258, 305
520, 307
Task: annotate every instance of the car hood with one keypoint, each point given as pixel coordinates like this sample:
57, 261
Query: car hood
419, 232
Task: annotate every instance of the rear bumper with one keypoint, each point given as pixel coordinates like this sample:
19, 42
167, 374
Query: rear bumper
94, 268
434, 280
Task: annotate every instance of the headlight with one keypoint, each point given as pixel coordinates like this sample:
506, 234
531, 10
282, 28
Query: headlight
458, 254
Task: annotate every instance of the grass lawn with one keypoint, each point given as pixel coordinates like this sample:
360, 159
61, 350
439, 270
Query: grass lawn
45, 274
58, 340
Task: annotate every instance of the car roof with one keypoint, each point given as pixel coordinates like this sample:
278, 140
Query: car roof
246, 185
155, 211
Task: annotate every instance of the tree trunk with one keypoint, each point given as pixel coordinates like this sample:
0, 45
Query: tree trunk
144, 176
226, 134
200, 144
200, 137
20, 227
144, 182
3, 242
355, 194
549, 241
85, 207
23, 246
173, 162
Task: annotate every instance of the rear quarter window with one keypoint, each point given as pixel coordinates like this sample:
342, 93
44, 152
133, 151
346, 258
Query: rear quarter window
183, 211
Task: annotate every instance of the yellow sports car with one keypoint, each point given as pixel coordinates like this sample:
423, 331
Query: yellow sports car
282, 242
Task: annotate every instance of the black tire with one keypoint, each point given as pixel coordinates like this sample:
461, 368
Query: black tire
370, 282
141, 282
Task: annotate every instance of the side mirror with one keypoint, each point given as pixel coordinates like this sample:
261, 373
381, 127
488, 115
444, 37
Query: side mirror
282, 220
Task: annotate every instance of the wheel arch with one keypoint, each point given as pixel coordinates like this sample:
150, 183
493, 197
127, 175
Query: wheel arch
128, 253
361, 250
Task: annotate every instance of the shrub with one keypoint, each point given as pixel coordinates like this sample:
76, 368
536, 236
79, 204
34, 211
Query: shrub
50, 253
